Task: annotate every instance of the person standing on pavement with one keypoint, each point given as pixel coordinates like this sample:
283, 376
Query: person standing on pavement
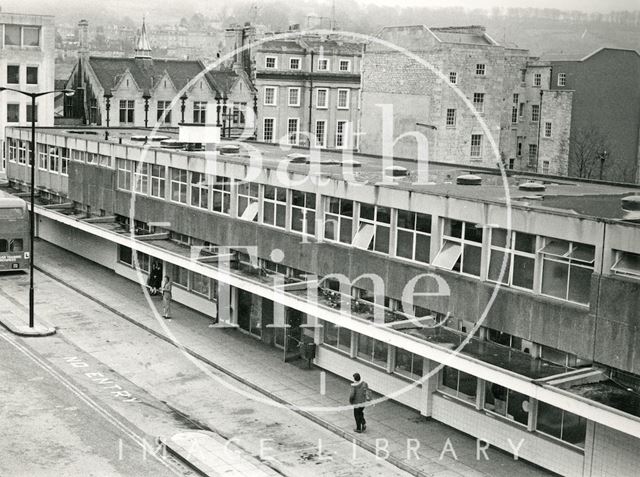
166, 297
155, 278
358, 397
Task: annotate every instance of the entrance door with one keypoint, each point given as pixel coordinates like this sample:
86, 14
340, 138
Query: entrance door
293, 334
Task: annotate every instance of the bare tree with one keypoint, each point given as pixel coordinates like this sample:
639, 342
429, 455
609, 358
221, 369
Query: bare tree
588, 152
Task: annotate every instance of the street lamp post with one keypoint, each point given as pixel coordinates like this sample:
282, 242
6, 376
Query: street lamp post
603, 157
32, 215
183, 106
107, 97
146, 98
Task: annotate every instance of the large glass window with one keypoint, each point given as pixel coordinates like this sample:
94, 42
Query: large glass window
13, 74
303, 212
125, 255
507, 402
321, 133
268, 130
180, 276
336, 336
518, 249
12, 34
162, 108
413, 236
338, 220
157, 181
627, 264
200, 284
373, 228
461, 247
293, 130
408, 364
221, 195
141, 178
566, 270
64, 161
458, 383
30, 36
561, 424
200, 112
178, 185
248, 200
274, 206
13, 113
127, 110
54, 159
372, 351
125, 170
32, 75
199, 190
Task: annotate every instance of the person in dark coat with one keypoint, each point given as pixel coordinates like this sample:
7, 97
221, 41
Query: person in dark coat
358, 397
155, 278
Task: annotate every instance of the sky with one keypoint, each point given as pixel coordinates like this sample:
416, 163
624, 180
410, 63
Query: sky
584, 5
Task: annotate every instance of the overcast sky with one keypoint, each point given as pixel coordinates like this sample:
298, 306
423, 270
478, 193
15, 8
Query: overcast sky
124, 7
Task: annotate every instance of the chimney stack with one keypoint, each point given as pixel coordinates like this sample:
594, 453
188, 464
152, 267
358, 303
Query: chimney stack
83, 33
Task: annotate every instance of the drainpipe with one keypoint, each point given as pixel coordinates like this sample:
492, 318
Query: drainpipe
539, 132
310, 99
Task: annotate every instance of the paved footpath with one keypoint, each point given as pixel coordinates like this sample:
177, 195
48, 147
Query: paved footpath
260, 367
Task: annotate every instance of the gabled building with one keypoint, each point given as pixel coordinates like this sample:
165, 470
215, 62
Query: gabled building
143, 90
403, 99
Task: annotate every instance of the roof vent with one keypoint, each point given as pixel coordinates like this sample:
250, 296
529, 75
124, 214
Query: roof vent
631, 208
171, 144
532, 186
396, 171
469, 179
158, 138
230, 149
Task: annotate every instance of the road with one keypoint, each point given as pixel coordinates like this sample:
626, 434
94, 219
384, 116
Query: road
51, 427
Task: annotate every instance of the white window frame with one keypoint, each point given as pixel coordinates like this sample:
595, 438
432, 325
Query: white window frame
221, 187
450, 120
307, 211
200, 108
535, 113
475, 150
199, 190
124, 170
158, 182
275, 95
293, 137
273, 130
289, 90
54, 160
275, 62
326, 98
624, 266
12, 150
325, 62
338, 219
344, 60
342, 136
368, 230
347, 98
292, 59
569, 258
453, 249
279, 206
322, 143
478, 102
415, 233
562, 79
141, 178
176, 183
537, 80
64, 161
163, 107
249, 192
511, 252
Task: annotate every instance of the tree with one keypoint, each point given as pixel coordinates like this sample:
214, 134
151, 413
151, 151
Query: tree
588, 148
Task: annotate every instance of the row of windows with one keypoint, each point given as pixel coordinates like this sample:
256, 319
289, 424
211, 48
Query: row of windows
13, 113
163, 112
565, 267
11, 245
341, 138
295, 63
13, 74
294, 97
509, 404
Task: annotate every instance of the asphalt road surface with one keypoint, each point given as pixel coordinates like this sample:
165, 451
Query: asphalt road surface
50, 427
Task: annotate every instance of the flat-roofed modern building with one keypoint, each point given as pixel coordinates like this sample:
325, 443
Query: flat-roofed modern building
26, 63
524, 322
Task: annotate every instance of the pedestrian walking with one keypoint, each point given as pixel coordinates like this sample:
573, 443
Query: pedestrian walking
155, 278
166, 297
359, 395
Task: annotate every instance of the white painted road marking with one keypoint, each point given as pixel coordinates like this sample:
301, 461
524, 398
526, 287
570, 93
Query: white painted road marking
102, 380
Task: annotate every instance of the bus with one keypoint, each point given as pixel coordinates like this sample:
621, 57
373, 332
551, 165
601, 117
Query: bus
14, 234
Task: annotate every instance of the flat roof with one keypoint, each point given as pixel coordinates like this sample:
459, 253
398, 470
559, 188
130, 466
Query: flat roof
569, 196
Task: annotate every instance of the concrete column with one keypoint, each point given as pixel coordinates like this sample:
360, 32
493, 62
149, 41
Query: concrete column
429, 386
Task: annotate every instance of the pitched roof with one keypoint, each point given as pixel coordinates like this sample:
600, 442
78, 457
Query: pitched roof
223, 79
145, 71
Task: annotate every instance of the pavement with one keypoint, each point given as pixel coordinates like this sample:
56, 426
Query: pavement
262, 369
18, 325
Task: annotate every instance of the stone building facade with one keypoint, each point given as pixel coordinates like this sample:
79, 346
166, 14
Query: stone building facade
422, 87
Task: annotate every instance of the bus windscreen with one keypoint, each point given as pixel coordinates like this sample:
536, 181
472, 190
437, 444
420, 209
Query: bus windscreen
10, 213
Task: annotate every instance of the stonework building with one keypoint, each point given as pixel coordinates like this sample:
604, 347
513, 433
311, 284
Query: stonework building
143, 91
455, 95
605, 113
26, 63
